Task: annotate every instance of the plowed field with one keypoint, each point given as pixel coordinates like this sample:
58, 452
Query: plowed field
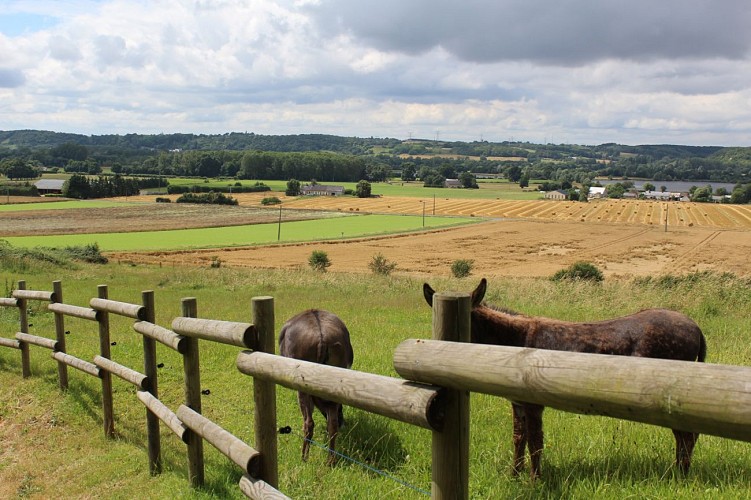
533, 238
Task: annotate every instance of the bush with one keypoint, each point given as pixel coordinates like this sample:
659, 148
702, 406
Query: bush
579, 271
462, 268
319, 261
163, 200
207, 198
271, 200
381, 265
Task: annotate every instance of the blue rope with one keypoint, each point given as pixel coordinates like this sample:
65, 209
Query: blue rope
288, 430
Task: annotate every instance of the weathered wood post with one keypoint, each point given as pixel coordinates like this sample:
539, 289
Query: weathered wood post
103, 319
62, 368
150, 370
192, 370
264, 394
23, 319
451, 322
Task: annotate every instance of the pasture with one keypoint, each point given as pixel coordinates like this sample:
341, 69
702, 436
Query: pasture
52, 441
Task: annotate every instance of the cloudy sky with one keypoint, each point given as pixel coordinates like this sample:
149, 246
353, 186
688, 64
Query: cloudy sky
562, 71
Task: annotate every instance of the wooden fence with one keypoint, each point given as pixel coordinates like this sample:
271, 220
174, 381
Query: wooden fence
439, 375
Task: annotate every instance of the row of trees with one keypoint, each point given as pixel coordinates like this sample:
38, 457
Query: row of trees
81, 187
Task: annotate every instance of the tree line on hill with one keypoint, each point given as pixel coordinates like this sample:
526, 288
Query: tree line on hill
328, 158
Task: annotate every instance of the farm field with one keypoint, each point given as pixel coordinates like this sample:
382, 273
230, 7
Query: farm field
522, 238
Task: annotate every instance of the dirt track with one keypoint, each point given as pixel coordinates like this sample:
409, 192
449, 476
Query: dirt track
535, 238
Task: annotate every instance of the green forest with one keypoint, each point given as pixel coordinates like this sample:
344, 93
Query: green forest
327, 158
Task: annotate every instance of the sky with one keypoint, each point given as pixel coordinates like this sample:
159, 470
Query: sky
544, 71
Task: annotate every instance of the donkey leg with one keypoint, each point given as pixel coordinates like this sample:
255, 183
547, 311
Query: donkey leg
306, 408
332, 427
534, 437
684, 448
520, 437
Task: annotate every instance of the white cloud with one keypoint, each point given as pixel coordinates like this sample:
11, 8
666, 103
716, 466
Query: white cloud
591, 72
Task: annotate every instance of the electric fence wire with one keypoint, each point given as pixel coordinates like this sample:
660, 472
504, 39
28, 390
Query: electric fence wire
288, 430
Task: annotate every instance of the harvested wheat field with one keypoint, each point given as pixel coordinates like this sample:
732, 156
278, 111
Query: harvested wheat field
525, 238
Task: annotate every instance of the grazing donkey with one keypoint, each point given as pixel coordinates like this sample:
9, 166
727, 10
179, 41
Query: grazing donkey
321, 337
652, 333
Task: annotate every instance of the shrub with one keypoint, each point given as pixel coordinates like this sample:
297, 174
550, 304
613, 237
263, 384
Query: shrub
271, 200
86, 253
381, 265
163, 200
579, 271
461, 268
207, 198
319, 261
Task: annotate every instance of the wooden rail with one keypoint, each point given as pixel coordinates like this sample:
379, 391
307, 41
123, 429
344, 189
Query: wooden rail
689, 396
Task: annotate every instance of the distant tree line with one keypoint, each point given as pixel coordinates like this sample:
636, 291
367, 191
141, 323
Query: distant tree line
80, 187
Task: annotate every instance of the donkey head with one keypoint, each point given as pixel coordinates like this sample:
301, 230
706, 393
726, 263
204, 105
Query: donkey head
477, 294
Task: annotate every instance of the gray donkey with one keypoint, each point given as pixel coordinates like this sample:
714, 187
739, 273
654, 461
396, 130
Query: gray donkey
321, 337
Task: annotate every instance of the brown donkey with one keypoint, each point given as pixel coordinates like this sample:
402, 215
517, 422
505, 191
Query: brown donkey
321, 337
653, 333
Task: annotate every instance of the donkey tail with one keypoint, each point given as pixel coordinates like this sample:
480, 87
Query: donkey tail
702, 348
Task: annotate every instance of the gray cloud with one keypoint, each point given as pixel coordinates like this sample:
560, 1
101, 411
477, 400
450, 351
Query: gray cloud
571, 32
11, 78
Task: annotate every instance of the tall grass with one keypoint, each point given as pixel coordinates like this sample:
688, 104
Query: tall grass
53, 441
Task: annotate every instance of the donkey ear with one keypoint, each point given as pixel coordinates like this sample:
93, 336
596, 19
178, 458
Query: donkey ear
428, 292
479, 293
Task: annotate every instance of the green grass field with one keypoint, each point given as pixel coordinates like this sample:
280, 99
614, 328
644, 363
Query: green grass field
257, 234
53, 441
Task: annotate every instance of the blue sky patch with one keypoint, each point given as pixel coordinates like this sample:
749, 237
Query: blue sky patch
23, 23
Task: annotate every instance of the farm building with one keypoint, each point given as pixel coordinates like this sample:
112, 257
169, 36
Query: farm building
666, 196
595, 193
322, 190
49, 186
452, 183
556, 195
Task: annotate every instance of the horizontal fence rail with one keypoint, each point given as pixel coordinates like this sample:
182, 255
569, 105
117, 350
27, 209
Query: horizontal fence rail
230, 446
120, 308
689, 396
391, 397
225, 332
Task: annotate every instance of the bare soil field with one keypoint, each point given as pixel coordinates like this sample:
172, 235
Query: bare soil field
527, 238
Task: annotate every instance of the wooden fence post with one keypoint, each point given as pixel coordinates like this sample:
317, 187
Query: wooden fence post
23, 318
150, 370
450, 448
191, 366
62, 368
264, 394
104, 351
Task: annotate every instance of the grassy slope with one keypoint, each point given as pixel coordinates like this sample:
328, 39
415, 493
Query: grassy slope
52, 442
